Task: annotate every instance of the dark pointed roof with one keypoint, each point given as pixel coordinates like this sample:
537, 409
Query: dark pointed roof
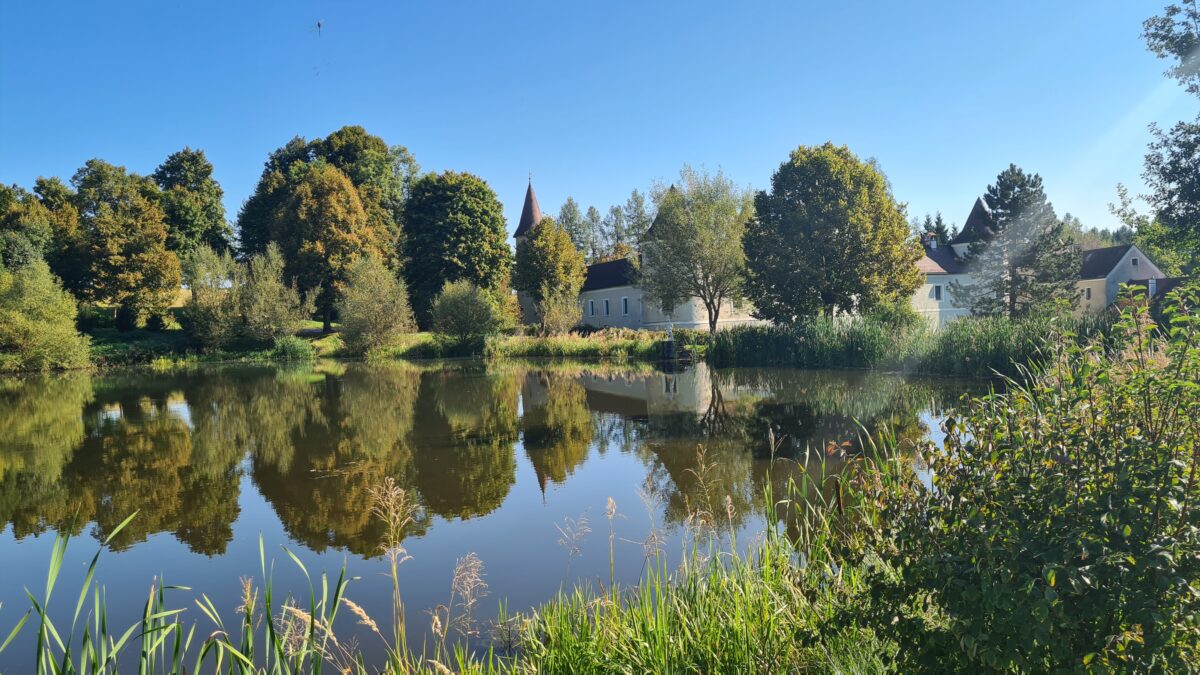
531, 213
1098, 263
609, 274
649, 234
978, 226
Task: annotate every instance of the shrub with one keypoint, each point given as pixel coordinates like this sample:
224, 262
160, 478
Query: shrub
37, 322
292, 348
373, 310
559, 310
127, 318
211, 315
1060, 534
157, 322
464, 314
271, 308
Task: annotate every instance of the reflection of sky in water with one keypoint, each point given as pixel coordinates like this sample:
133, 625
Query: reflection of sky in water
216, 458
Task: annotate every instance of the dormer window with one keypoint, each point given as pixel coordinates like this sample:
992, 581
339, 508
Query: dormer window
1133, 261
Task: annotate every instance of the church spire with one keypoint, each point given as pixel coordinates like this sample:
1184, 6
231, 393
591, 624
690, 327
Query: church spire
531, 213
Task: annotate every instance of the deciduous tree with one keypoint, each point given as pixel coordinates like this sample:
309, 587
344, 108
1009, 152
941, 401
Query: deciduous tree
697, 247
828, 237
549, 268
191, 202
456, 231
373, 309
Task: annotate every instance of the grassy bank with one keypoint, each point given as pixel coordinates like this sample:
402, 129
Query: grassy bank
1060, 534
973, 346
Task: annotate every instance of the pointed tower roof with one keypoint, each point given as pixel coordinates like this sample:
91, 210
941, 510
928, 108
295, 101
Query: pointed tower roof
531, 213
650, 234
978, 226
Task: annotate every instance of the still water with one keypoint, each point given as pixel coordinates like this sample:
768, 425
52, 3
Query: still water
507, 461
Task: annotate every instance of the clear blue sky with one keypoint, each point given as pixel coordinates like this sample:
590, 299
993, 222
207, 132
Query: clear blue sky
597, 98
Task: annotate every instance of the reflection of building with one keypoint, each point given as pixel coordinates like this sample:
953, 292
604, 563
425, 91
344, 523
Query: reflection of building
1101, 274
610, 296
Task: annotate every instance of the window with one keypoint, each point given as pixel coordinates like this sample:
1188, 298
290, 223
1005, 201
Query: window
625, 306
606, 307
937, 293
1134, 262
592, 307
1087, 293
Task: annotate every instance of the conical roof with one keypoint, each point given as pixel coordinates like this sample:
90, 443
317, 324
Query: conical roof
650, 234
979, 225
531, 213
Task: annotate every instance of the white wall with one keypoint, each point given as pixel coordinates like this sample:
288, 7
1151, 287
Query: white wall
940, 312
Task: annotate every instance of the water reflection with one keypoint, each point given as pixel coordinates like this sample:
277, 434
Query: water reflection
79, 449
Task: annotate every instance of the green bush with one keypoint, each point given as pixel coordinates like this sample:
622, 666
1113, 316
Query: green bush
1060, 533
127, 318
292, 348
270, 306
559, 310
373, 310
212, 314
464, 316
37, 322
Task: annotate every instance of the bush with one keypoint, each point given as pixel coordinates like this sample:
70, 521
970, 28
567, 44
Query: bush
464, 315
1060, 534
271, 308
559, 310
212, 313
158, 322
127, 318
292, 348
373, 310
37, 322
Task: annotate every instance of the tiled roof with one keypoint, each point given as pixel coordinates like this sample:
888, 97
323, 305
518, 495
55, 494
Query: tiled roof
978, 226
609, 274
1099, 262
940, 260
531, 214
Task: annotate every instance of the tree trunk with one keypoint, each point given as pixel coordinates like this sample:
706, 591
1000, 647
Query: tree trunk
327, 318
714, 313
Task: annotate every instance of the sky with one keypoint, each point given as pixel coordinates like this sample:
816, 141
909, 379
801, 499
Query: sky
598, 98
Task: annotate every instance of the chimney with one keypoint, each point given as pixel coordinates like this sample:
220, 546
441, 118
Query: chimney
930, 240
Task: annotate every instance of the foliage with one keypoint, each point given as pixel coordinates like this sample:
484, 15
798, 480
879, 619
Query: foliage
1172, 174
828, 237
374, 308
1060, 532
570, 218
559, 310
123, 232
1026, 263
464, 314
637, 218
37, 322
456, 232
271, 308
696, 250
213, 312
1176, 35
549, 268
293, 349
615, 343
25, 231
191, 203
1152, 237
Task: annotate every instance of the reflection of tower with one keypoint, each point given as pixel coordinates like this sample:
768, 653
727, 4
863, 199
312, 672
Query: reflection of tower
531, 214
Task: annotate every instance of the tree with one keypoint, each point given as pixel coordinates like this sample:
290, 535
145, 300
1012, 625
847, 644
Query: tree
637, 217
373, 309
559, 310
697, 248
1151, 236
456, 231
125, 235
1028, 263
593, 232
37, 321
936, 226
271, 307
550, 269
323, 230
570, 218
615, 234
828, 237
67, 253
191, 202
1176, 35
213, 313
25, 232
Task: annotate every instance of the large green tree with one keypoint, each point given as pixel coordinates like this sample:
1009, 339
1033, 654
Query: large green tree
37, 321
637, 217
696, 251
25, 231
191, 201
322, 228
593, 233
1028, 262
456, 231
68, 251
124, 235
570, 218
828, 237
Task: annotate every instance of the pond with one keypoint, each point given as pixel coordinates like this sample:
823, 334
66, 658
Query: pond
514, 462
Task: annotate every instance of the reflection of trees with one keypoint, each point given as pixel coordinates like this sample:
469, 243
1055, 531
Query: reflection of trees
557, 426
41, 423
465, 466
360, 435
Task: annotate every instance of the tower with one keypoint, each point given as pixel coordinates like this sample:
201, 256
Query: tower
531, 214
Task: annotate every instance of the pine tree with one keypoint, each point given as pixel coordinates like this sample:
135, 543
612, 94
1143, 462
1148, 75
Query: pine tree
637, 218
616, 235
593, 227
570, 218
1028, 264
